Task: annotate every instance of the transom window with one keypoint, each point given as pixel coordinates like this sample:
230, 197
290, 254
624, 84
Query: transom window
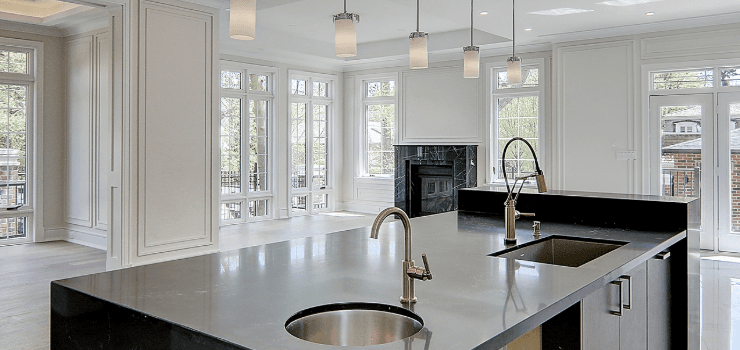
246, 136
684, 79
515, 113
379, 119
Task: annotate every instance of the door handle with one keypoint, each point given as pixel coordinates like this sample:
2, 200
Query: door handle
629, 291
620, 284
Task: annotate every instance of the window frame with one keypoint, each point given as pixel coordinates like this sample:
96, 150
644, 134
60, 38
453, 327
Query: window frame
363, 165
310, 190
32, 209
494, 93
245, 96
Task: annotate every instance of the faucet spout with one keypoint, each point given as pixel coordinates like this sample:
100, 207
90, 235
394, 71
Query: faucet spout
406, 227
410, 272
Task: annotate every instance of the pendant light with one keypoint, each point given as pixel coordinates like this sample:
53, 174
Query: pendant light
471, 66
418, 57
346, 37
242, 19
514, 63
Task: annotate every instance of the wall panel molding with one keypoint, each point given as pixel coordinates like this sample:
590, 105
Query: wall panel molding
439, 107
706, 43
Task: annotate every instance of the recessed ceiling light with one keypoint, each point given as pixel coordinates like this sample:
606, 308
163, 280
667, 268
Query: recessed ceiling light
527, 29
559, 12
626, 2
483, 13
650, 13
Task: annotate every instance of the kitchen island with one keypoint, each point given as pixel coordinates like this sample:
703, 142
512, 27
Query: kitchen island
241, 299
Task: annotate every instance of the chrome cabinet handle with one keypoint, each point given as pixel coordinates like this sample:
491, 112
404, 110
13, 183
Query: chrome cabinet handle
629, 292
663, 255
621, 298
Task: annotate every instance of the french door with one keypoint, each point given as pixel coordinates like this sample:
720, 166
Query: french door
699, 148
684, 153
728, 171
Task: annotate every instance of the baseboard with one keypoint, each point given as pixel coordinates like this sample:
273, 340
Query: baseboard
91, 238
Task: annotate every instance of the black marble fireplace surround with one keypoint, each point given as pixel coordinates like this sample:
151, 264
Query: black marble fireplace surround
428, 177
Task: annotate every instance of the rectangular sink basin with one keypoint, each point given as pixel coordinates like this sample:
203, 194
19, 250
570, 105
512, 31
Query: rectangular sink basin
560, 250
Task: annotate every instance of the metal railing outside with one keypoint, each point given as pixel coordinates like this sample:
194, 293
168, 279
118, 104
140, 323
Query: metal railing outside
684, 182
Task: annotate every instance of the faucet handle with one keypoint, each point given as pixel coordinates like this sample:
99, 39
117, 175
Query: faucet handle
426, 265
519, 214
419, 273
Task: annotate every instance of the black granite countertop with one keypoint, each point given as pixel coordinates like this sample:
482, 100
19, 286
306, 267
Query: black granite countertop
245, 296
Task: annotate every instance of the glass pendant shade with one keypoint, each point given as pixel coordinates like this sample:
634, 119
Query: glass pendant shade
514, 70
243, 19
418, 57
471, 66
346, 37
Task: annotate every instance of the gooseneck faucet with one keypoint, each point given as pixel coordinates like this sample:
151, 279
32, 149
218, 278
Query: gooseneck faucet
410, 272
511, 213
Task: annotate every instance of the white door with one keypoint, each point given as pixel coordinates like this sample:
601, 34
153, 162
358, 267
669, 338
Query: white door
683, 153
728, 171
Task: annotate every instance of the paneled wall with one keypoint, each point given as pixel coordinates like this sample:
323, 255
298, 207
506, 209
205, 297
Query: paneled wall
87, 138
594, 117
169, 132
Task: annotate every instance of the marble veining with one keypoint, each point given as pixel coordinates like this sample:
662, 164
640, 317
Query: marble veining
462, 160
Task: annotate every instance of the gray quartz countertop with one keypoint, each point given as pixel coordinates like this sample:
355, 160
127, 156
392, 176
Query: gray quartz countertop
245, 296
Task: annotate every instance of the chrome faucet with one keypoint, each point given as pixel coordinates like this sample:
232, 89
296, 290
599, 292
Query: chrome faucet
410, 272
511, 213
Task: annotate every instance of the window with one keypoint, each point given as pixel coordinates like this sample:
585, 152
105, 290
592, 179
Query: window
379, 120
515, 113
17, 87
311, 111
246, 136
688, 79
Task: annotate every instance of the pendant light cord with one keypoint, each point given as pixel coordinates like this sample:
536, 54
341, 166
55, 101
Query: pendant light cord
513, 29
471, 22
417, 15
345, 6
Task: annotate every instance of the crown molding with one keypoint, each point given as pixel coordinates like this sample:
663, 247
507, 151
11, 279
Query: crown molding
31, 28
686, 23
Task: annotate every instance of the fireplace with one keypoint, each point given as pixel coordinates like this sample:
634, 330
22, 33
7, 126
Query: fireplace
428, 177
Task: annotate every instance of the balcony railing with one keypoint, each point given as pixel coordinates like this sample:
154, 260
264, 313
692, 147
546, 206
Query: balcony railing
683, 182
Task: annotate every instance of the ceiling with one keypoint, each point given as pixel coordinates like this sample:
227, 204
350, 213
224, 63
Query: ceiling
305, 28
302, 30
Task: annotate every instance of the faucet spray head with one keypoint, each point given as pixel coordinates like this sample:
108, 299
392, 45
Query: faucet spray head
541, 185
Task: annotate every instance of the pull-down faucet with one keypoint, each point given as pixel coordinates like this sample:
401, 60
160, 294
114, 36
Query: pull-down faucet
511, 213
410, 272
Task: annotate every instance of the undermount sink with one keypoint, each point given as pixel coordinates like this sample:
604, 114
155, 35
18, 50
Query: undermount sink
354, 324
561, 250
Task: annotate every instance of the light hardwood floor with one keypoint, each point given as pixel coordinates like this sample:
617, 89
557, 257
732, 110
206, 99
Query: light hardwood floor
26, 270
25, 273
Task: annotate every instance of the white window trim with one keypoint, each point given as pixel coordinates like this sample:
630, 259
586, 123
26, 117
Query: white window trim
493, 92
272, 97
332, 135
34, 139
362, 166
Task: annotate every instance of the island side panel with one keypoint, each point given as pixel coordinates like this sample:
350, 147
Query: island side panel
80, 321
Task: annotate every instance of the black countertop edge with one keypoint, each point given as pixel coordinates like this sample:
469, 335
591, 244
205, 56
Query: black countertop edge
584, 194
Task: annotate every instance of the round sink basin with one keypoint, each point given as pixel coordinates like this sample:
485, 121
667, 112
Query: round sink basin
354, 324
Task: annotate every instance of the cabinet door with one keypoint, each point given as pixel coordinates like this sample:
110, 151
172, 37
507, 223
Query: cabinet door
600, 328
633, 323
659, 303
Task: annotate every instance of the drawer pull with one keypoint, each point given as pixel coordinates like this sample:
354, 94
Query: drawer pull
620, 284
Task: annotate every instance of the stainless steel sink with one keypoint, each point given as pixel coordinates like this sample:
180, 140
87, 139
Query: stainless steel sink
354, 324
561, 250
